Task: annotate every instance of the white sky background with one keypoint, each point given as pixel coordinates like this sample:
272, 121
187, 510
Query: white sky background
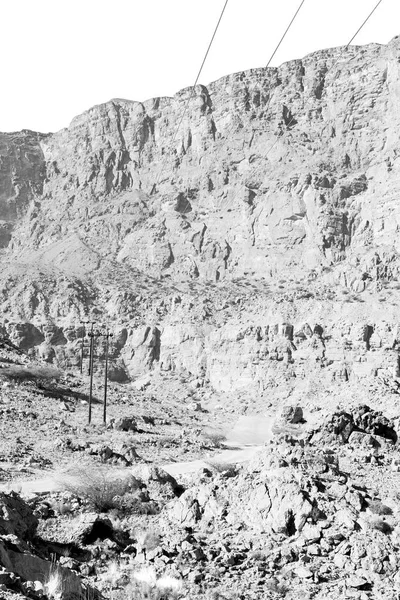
60, 57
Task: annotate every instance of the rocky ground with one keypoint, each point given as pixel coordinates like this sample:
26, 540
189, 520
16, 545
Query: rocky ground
260, 274
313, 514
44, 419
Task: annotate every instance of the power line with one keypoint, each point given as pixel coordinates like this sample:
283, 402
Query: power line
270, 59
364, 23
211, 42
192, 94
282, 132
284, 35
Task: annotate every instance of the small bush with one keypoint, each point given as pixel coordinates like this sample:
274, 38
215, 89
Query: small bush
275, 587
54, 585
148, 538
381, 525
213, 436
378, 508
167, 441
146, 584
100, 488
60, 584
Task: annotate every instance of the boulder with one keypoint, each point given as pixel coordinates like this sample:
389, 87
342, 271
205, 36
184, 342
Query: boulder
31, 568
128, 452
160, 484
360, 438
264, 503
88, 528
16, 517
124, 424
375, 423
185, 511
291, 414
141, 384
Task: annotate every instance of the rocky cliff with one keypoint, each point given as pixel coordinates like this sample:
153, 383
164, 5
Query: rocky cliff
251, 243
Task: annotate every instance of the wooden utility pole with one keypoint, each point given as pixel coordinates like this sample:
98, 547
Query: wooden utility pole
84, 323
107, 336
92, 335
91, 346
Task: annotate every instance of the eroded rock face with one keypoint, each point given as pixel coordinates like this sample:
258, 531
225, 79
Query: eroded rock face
30, 567
223, 204
22, 173
265, 498
230, 356
291, 414
229, 267
16, 517
18, 525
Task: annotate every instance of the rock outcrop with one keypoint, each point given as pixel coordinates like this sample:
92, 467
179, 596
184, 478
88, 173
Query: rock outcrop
22, 567
256, 243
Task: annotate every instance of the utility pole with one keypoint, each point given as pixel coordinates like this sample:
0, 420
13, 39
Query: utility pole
92, 335
84, 323
107, 336
91, 346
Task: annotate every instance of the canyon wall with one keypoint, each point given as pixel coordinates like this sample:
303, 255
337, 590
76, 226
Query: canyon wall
251, 241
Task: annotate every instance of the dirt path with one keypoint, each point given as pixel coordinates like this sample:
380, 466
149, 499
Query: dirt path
243, 442
226, 457
53, 482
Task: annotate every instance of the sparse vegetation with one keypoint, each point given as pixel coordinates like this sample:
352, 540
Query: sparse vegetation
146, 584
381, 525
214, 436
61, 584
54, 585
19, 373
99, 487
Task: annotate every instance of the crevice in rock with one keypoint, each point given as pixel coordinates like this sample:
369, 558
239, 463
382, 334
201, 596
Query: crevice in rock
288, 117
367, 333
290, 524
319, 88
182, 204
119, 128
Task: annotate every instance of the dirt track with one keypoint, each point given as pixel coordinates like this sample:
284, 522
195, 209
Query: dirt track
246, 438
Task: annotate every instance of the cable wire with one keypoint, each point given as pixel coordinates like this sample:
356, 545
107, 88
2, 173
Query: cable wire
272, 56
364, 23
284, 35
192, 94
282, 132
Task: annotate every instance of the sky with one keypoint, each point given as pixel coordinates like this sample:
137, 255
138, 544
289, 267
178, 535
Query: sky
60, 57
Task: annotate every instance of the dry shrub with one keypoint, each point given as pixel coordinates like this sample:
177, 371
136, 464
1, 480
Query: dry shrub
127, 584
381, 525
62, 584
54, 585
148, 538
145, 584
30, 373
273, 585
214, 436
99, 487
378, 508
217, 594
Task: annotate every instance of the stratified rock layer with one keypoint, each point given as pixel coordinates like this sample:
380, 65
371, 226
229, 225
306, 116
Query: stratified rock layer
216, 243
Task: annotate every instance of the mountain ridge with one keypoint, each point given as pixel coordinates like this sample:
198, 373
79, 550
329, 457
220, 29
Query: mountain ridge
277, 194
